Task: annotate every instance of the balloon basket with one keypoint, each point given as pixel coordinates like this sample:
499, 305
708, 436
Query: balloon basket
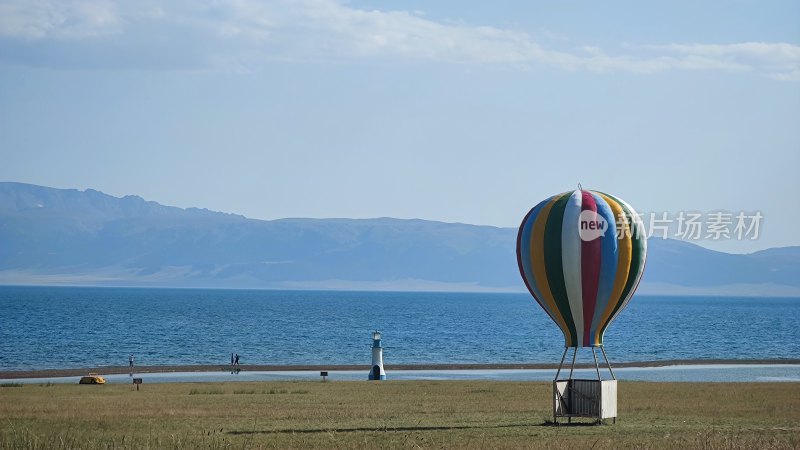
584, 398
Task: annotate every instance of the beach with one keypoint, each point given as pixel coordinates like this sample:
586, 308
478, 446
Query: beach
72, 372
719, 370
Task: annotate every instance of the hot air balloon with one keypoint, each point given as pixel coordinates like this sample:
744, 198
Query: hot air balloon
581, 255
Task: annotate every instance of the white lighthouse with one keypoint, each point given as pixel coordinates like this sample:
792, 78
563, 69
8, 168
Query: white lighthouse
377, 372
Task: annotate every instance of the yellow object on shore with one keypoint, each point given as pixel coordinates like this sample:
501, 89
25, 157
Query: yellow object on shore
92, 378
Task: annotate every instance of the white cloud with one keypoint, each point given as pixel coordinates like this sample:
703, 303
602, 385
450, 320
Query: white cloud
779, 60
758, 51
42, 19
243, 33
793, 75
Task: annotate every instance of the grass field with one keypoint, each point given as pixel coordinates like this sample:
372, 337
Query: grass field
395, 414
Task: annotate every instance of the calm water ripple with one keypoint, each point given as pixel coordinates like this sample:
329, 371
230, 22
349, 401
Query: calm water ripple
56, 327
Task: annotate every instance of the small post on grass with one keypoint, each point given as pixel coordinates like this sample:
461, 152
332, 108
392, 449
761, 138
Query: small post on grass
137, 382
324, 375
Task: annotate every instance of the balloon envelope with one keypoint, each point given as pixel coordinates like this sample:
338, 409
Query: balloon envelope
582, 255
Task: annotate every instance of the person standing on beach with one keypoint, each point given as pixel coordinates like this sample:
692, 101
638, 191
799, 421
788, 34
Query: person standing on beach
231, 358
130, 361
237, 360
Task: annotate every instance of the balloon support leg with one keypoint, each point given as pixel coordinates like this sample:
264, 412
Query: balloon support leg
558, 372
610, 370
571, 369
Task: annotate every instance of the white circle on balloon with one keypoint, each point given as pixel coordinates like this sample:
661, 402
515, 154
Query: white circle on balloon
591, 225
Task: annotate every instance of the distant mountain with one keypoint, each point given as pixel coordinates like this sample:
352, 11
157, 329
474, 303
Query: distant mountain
681, 267
66, 236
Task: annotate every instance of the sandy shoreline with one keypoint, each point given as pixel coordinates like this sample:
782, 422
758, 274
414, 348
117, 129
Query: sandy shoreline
48, 373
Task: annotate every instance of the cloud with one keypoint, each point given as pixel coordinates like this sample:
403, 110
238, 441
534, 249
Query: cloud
41, 19
242, 34
778, 60
793, 75
759, 51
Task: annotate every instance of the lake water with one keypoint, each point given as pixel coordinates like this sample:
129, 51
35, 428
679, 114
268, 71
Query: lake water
60, 327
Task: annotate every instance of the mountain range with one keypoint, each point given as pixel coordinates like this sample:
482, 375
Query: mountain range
71, 237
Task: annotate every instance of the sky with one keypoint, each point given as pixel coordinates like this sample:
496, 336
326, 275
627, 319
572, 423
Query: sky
454, 111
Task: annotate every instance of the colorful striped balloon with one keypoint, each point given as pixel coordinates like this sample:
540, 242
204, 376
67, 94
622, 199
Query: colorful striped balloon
582, 255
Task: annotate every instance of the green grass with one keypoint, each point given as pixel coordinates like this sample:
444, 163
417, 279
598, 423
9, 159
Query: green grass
394, 414
206, 392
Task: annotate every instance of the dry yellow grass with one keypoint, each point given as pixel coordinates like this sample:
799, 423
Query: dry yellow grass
395, 414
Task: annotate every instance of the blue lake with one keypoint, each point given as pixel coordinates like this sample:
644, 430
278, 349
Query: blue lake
58, 327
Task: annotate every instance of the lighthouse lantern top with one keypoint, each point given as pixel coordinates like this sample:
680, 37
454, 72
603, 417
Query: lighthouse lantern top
376, 335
